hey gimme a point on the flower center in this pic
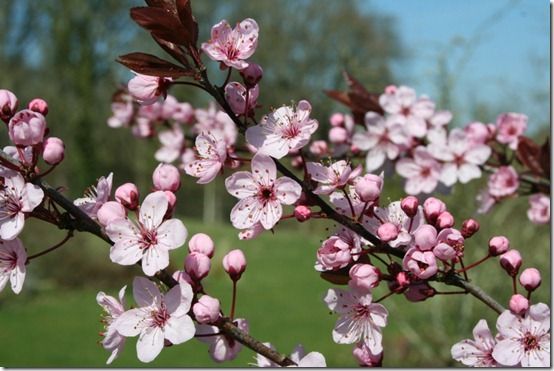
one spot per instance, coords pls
(8, 261)
(149, 238)
(290, 131)
(530, 342)
(361, 311)
(160, 316)
(266, 194)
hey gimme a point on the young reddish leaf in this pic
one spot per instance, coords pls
(339, 96)
(162, 23)
(151, 65)
(339, 277)
(184, 12)
(529, 153)
(545, 158)
(173, 50)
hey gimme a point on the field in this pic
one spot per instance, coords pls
(54, 322)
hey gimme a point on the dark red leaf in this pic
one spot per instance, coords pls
(163, 23)
(545, 158)
(173, 50)
(339, 277)
(529, 154)
(339, 96)
(184, 12)
(151, 65)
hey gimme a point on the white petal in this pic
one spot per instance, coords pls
(150, 343)
(172, 234)
(153, 209)
(179, 329)
(146, 292)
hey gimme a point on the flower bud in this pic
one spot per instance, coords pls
(419, 292)
(128, 195)
(519, 304)
(530, 278)
(236, 95)
(364, 276)
(319, 148)
(338, 135)
(432, 208)
(369, 187)
(197, 265)
(39, 105)
(53, 151)
(147, 89)
(302, 213)
(425, 237)
(470, 227)
(410, 205)
(511, 262)
(444, 220)
(166, 177)
(202, 243)
(498, 245)
(206, 310)
(337, 119)
(387, 232)
(365, 357)
(234, 264)
(26, 128)
(110, 212)
(171, 201)
(252, 74)
(8, 104)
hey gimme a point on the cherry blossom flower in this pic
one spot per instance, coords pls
(113, 341)
(261, 194)
(222, 348)
(360, 319)
(147, 89)
(213, 120)
(122, 113)
(158, 318)
(539, 211)
(16, 199)
(422, 172)
(383, 139)
(461, 159)
(394, 214)
(524, 340)
(284, 130)
(232, 46)
(503, 182)
(365, 358)
(332, 177)
(181, 112)
(477, 352)
(212, 153)
(510, 126)
(251, 232)
(172, 144)
(150, 238)
(407, 109)
(13, 258)
(95, 197)
(235, 94)
(338, 250)
(342, 206)
(422, 264)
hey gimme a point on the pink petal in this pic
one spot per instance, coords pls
(33, 197)
(478, 155)
(146, 292)
(125, 253)
(131, 322)
(241, 185)
(263, 169)
(246, 213)
(374, 159)
(172, 234)
(153, 209)
(313, 359)
(154, 260)
(11, 227)
(318, 172)
(287, 190)
(271, 214)
(508, 352)
(179, 329)
(150, 343)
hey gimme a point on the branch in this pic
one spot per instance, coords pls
(476, 291)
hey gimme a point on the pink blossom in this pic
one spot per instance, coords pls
(498, 245)
(53, 151)
(113, 341)
(8, 104)
(232, 46)
(197, 265)
(407, 109)
(147, 89)
(122, 113)
(524, 340)
(342, 205)
(236, 96)
(13, 258)
(252, 74)
(387, 232)
(206, 310)
(302, 213)
(182, 113)
(298, 356)
(478, 352)
(16, 199)
(421, 263)
(461, 159)
(261, 194)
(410, 205)
(422, 172)
(38, 105)
(159, 317)
(110, 212)
(477, 133)
(284, 130)
(393, 214)
(27, 128)
(150, 238)
(212, 153)
(450, 244)
(251, 232)
(360, 320)
(503, 182)
(333, 177)
(510, 127)
(222, 348)
(217, 123)
(365, 357)
(166, 177)
(234, 263)
(128, 195)
(511, 262)
(530, 278)
(319, 148)
(172, 145)
(364, 276)
(202, 243)
(539, 210)
(369, 187)
(95, 196)
(338, 250)
(143, 127)
(383, 139)
(470, 227)
(518, 304)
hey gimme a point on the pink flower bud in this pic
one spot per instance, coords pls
(236, 95)
(364, 276)
(498, 245)
(390, 89)
(166, 177)
(8, 104)
(39, 105)
(334, 253)
(302, 213)
(147, 89)
(206, 310)
(252, 74)
(419, 292)
(409, 205)
(444, 220)
(444, 252)
(53, 151)
(171, 201)
(387, 232)
(422, 264)
(202, 243)
(432, 208)
(337, 119)
(338, 135)
(425, 237)
(234, 264)
(511, 262)
(369, 187)
(128, 195)
(365, 357)
(470, 227)
(26, 128)
(519, 304)
(530, 278)
(110, 212)
(319, 148)
(197, 265)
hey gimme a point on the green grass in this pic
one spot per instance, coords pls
(54, 322)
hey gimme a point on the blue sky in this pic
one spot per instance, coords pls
(507, 67)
